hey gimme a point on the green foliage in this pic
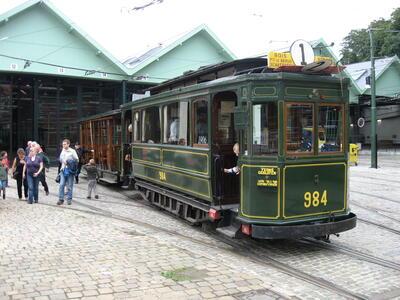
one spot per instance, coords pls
(356, 47)
(176, 275)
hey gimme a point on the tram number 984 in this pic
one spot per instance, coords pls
(162, 175)
(315, 199)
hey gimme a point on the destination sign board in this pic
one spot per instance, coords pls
(277, 59)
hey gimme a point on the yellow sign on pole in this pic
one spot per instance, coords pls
(278, 59)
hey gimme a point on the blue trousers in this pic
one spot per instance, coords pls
(66, 181)
(33, 188)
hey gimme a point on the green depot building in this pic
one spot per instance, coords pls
(52, 74)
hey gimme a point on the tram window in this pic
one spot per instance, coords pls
(151, 125)
(200, 123)
(128, 127)
(265, 129)
(116, 133)
(136, 126)
(176, 123)
(330, 128)
(299, 128)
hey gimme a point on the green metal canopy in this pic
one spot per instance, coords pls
(35, 37)
(199, 47)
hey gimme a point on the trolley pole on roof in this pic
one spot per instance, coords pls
(374, 138)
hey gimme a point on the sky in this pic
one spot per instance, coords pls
(247, 27)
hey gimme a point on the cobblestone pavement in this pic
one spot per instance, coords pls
(120, 248)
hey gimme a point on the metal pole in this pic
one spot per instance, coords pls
(374, 138)
(123, 91)
(36, 108)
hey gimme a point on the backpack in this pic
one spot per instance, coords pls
(71, 167)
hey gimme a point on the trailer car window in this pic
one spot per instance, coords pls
(265, 129)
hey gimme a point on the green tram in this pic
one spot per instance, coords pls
(288, 178)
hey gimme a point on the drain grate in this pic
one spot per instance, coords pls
(133, 233)
(263, 294)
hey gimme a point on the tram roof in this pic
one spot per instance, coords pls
(234, 79)
(101, 115)
(212, 72)
(222, 70)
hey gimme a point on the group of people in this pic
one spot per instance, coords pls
(29, 167)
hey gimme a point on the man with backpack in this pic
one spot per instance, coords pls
(69, 165)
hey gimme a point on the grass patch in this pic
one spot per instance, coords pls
(176, 275)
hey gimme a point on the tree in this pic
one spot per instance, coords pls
(391, 44)
(356, 45)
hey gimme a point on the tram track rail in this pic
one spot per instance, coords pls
(395, 231)
(353, 253)
(252, 251)
(238, 248)
(262, 258)
(378, 211)
(377, 179)
(374, 196)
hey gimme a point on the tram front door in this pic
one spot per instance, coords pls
(226, 185)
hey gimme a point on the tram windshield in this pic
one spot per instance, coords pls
(331, 123)
(300, 133)
(299, 128)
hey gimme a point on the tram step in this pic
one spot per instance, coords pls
(229, 231)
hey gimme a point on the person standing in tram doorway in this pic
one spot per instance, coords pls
(69, 165)
(235, 170)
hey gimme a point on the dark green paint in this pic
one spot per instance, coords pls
(326, 93)
(261, 204)
(300, 180)
(185, 160)
(189, 184)
(264, 91)
(258, 201)
(150, 155)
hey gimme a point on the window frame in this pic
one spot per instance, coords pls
(341, 105)
(251, 131)
(295, 153)
(142, 116)
(164, 115)
(193, 124)
(139, 140)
